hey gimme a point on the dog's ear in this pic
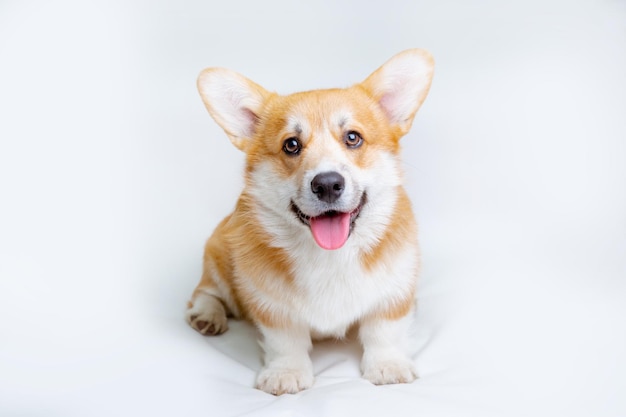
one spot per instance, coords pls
(401, 85)
(233, 101)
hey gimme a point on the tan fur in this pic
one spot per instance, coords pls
(399, 231)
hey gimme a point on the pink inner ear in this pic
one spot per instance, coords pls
(388, 103)
(249, 120)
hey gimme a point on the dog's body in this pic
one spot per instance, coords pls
(323, 237)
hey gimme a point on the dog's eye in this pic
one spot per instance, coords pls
(353, 139)
(292, 146)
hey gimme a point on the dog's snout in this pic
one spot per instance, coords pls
(328, 186)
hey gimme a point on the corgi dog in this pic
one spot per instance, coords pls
(323, 238)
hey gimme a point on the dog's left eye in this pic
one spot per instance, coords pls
(353, 139)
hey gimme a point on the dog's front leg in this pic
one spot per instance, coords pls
(288, 367)
(385, 350)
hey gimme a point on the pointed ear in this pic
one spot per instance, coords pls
(233, 101)
(401, 85)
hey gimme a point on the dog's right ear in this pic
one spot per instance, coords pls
(233, 101)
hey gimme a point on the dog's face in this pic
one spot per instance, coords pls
(324, 160)
(317, 158)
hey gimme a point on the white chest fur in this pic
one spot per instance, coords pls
(334, 290)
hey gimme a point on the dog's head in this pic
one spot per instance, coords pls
(325, 159)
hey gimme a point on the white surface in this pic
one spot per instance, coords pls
(112, 175)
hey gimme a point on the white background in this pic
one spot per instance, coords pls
(112, 175)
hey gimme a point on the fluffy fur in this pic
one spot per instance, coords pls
(262, 262)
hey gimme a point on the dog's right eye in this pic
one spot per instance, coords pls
(292, 146)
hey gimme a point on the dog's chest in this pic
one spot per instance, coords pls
(335, 290)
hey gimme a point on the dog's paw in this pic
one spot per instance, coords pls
(396, 371)
(207, 315)
(284, 381)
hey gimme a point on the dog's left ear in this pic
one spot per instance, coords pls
(401, 85)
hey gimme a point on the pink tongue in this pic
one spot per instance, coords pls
(331, 232)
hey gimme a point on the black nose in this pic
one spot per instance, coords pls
(328, 186)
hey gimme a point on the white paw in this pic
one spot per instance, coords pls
(395, 371)
(284, 381)
(207, 315)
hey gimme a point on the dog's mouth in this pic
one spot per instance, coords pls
(332, 228)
